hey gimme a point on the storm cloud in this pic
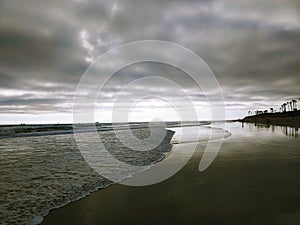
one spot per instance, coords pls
(252, 47)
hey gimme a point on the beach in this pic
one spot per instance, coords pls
(149, 112)
(253, 180)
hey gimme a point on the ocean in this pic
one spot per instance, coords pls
(45, 170)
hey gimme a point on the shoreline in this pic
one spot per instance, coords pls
(62, 161)
(231, 186)
(165, 152)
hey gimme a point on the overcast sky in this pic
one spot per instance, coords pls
(252, 47)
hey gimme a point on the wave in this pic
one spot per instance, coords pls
(194, 134)
(47, 172)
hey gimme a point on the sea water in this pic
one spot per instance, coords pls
(39, 173)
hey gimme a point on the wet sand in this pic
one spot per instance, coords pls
(254, 180)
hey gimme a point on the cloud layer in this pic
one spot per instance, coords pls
(251, 46)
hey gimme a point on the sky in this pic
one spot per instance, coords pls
(252, 48)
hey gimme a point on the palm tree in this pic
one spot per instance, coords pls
(294, 105)
(271, 110)
(284, 107)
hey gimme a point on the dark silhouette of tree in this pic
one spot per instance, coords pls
(294, 104)
(284, 107)
(288, 106)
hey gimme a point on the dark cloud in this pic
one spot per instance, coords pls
(251, 46)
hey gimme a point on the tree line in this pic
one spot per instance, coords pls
(290, 106)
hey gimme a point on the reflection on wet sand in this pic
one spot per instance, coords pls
(287, 131)
(290, 131)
